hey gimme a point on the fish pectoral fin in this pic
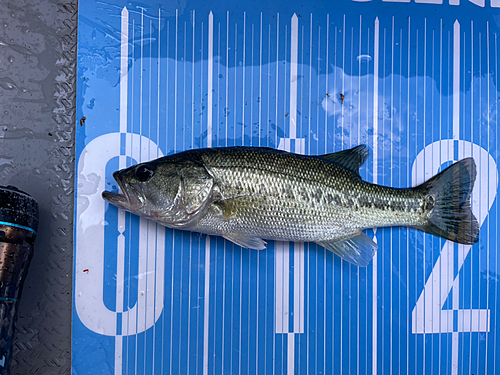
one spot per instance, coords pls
(351, 159)
(248, 242)
(230, 205)
(358, 250)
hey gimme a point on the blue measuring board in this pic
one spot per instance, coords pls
(416, 81)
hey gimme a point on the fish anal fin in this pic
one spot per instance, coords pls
(351, 159)
(246, 241)
(358, 250)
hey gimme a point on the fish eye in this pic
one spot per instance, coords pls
(144, 172)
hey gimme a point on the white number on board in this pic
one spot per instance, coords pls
(428, 315)
(90, 230)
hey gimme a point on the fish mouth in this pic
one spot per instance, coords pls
(128, 199)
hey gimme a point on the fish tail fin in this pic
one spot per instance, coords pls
(451, 217)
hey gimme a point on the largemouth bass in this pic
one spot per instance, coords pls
(247, 195)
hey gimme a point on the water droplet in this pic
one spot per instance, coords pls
(11, 59)
(7, 84)
(364, 58)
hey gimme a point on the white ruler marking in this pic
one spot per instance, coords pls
(209, 144)
(375, 179)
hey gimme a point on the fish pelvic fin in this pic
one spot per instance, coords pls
(351, 159)
(248, 242)
(358, 250)
(451, 217)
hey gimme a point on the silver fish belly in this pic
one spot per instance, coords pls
(247, 195)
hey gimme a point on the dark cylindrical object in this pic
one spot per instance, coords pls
(18, 226)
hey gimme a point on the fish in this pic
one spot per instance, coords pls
(251, 194)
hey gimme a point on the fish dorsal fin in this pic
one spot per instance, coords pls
(358, 250)
(350, 159)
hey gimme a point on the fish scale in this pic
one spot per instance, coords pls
(295, 203)
(251, 194)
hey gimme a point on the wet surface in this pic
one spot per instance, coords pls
(157, 80)
(37, 67)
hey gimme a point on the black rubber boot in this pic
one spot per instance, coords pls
(18, 226)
